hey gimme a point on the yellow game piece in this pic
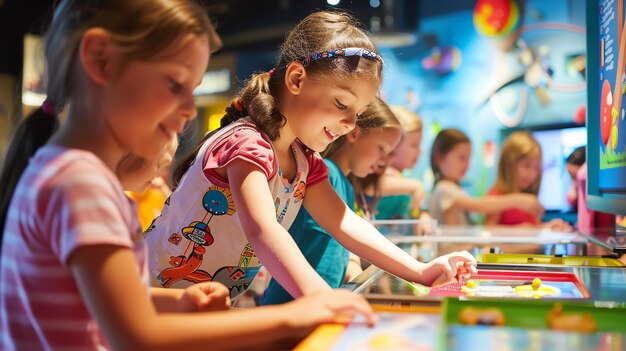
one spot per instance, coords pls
(537, 290)
(470, 283)
(536, 284)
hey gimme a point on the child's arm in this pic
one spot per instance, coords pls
(207, 296)
(495, 204)
(360, 237)
(450, 216)
(558, 225)
(353, 269)
(492, 219)
(110, 286)
(271, 242)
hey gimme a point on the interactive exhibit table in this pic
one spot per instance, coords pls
(503, 307)
(444, 239)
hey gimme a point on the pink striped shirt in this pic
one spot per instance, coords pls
(65, 199)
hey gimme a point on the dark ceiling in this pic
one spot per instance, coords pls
(244, 25)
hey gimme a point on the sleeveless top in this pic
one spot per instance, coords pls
(325, 254)
(198, 236)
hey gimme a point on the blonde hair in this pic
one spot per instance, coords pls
(130, 163)
(517, 146)
(409, 120)
(140, 28)
(376, 115)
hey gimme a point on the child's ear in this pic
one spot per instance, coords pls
(96, 55)
(294, 77)
(354, 134)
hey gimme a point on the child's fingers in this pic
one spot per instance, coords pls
(465, 256)
(471, 267)
(464, 273)
(464, 270)
(465, 264)
(424, 228)
(352, 305)
(448, 273)
(209, 296)
(192, 300)
(213, 288)
(444, 279)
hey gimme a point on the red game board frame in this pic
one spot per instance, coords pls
(546, 277)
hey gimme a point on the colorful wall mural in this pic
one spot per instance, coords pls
(539, 80)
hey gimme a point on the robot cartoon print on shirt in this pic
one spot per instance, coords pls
(217, 201)
(238, 278)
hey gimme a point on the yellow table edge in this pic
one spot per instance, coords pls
(323, 337)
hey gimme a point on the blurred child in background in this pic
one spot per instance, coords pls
(360, 152)
(519, 172)
(573, 163)
(449, 204)
(401, 197)
(145, 182)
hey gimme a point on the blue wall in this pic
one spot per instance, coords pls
(456, 99)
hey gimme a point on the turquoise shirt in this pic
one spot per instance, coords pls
(394, 207)
(323, 252)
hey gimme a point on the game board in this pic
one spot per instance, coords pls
(411, 328)
(517, 324)
(521, 325)
(511, 284)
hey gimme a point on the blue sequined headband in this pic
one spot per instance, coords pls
(347, 52)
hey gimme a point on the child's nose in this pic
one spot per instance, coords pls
(188, 108)
(349, 123)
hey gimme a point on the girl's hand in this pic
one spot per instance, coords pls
(529, 203)
(328, 306)
(425, 225)
(450, 268)
(207, 296)
(559, 225)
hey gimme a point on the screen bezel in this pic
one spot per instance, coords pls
(598, 200)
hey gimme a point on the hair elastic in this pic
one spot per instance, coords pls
(48, 108)
(238, 104)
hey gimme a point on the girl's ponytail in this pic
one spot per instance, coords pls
(257, 99)
(33, 132)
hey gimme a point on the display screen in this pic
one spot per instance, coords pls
(610, 143)
(556, 146)
(606, 85)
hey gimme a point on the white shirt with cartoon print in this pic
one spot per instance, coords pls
(198, 236)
